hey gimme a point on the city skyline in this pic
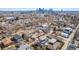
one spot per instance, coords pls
(29, 9)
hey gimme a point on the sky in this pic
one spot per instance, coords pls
(16, 9)
(39, 4)
(17, 5)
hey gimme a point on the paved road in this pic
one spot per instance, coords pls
(68, 40)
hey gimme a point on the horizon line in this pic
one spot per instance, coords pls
(31, 9)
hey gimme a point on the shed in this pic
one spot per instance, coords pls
(16, 38)
(71, 47)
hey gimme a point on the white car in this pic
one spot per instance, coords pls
(64, 35)
(66, 32)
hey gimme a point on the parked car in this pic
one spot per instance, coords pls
(66, 32)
